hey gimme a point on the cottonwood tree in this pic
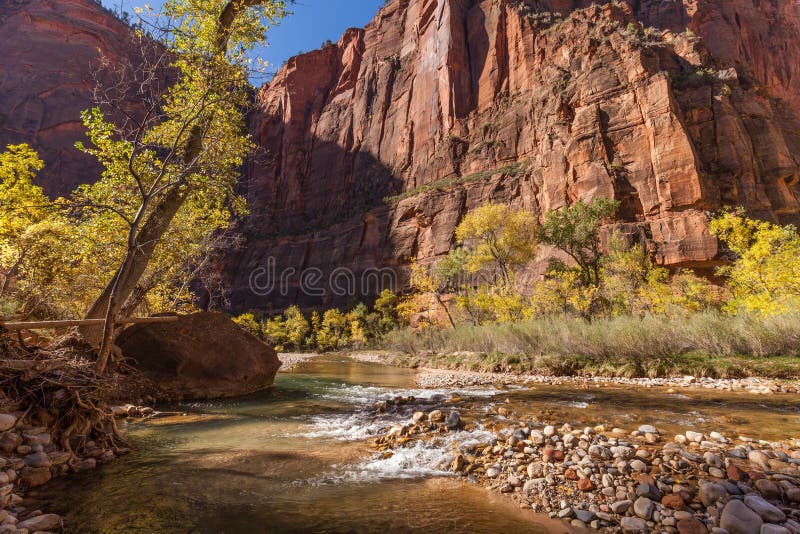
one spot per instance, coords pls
(575, 230)
(498, 236)
(35, 265)
(764, 276)
(177, 159)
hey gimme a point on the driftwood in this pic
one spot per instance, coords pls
(58, 388)
(33, 325)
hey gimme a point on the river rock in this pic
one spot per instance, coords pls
(436, 416)
(768, 489)
(645, 489)
(638, 465)
(537, 437)
(35, 476)
(648, 429)
(200, 356)
(9, 441)
(737, 518)
(643, 507)
(37, 459)
(767, 511)
(759, 458)
(549, 431)
(535, 470)
(673, 501)
(691, 526)
(711, 492)
(620, 507)
(7, 422)
(696, 437)
(417, 417)
(633, 525)
(585, 515)
(40, 523)
(769, 528)
(453, 420)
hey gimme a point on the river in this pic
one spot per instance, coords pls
(297, 459)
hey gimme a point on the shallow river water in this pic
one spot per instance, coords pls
(297, 459)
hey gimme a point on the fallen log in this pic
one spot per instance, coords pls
(33, 325)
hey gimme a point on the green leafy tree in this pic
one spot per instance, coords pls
(764, 277)
(333, 332)
(575, 230)
(386, 307)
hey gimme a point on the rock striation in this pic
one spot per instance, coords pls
(375, 147)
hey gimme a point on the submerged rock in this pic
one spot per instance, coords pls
(201, 356)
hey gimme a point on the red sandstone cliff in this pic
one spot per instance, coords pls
(673, 108)
(48, 52)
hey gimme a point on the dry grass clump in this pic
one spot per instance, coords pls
(706, 344)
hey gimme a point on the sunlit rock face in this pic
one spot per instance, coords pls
(372, 149)
(49, 52)
(675, 109)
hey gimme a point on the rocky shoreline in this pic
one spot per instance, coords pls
(618, 480)
(291, 360)
(432, 377)
(31, 458)
(437, 378)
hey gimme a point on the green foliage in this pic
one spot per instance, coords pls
(333, 330)
(512, 169)
(575, 230)
(632, 285)
(143, 231)
(764, 278)
(386, 307)
(287, 332)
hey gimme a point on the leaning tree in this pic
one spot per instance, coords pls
(179, 149)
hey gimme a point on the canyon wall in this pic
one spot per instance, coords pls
(49, 54)
(374, 148)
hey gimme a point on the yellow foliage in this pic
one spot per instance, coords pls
(764, 278)
(498, 236)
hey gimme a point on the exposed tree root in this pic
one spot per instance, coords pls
(58, 388)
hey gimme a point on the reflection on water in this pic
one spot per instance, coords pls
(296, 459)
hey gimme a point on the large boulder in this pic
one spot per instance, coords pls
(201, 356)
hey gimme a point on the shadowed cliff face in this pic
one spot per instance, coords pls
(48, 52)
(447, 104)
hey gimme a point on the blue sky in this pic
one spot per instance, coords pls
(313, 22)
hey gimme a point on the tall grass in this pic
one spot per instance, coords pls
(705, 343)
